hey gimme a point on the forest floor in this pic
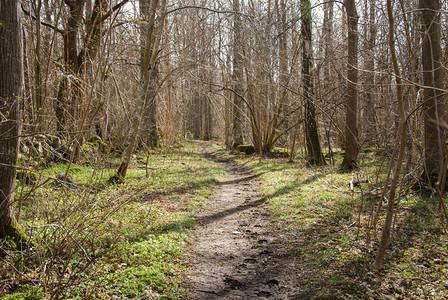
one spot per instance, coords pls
(237, 252)
(202, 222)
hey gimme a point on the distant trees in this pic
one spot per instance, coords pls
(231, 70)
(270, 72)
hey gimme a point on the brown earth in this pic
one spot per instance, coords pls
(237, 252)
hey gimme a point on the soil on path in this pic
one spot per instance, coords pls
(237, 253)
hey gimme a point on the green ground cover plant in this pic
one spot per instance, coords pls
(326, 223)
(97, 240)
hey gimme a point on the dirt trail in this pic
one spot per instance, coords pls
(237, 253)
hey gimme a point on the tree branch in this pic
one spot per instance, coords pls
(111, 11)
(207, 9)
(27, 13)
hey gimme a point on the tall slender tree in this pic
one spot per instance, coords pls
(151, 38)
(315, 156)
(237, 75)
(369, 119)
(351, 127)
(148, 76)
(399, 150)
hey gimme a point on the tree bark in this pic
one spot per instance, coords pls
(11, 90)
(434, 100)
(237, 76)
(38, 94)
(149, 69)
(207, 119)
(351, 127)
(327, 74)
(369, 120)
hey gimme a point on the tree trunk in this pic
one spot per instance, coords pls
(207, 119)
(351, 128)
(400, 145)
(433, 96)
(149, 69)
(152, 36)
(195, 114)
(369, 120)
(151, 134)
(38, 83)
(328, 119)
(237, 76)
(315, 156)
(228, 117)
(11, 90)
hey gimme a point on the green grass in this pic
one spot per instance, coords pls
(99, 240)
(319, 213)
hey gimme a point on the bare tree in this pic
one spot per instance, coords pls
(369, 118)
(149, 72)
(399, 149)
(315, 156)
(148, 85)
(351, 127)
(237, 76)
(434, 104)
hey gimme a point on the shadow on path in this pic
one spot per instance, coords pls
(238, 253)
(205, 220)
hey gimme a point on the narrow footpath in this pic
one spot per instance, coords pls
(237, 253)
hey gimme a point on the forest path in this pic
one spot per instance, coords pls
(237, 253)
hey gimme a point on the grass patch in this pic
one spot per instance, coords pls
(100, 241)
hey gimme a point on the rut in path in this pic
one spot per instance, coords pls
(237, 253)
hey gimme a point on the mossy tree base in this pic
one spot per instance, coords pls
(348, 165)
(15, 237)
(246, 149)
(120, 175)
